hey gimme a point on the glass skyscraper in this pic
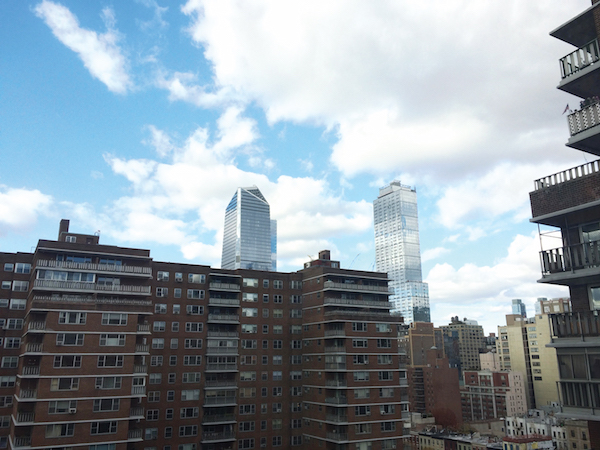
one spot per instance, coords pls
(249, 235)
(397, 250)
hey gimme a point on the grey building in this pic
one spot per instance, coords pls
(397, 250)
(249, 235)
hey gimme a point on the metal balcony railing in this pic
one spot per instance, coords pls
(337, 436)
(134, 434)
(134, 270)
(573, 257)
(138, 390)
(337, 400)
(221, 350)
(232, 334)
(140, 368)
(25, 417)
(584, 119)
(219, 400)
(575, 324)
(34, 347)
(220, 383)
(356, 287)
(579, 59)
(336, 418)
(143, 327)
(359, 303)
(223, 302)
(31, 370)
(215, 436)
(136, 412)
(224, 286)
(221, 366)
(82, 286)
(216, 418)
(28, 393)
(36, 325)
(142, 348)
(22, 441)
(335, 366)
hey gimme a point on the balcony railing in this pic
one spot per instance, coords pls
(140, 368)
(223, 302)
(575, 324)
(579, 59)
(219, 400)
(143, 327)
(36, 326)
(220, 383)
(134, 434)
(573, 257)
(335, 366)
(28, 393)
(358, 303)
(567, 175)
(229, 334)
(25, 417)
(217, 418)
(336, 418)
(329, 333)
(22, 441)
(221, 366)
(336, 383)
(134, 270)
(214, 436)
(138, 390)
(222, 350)
(337, 400)
(136, 412)
(223, 318)
(81, 286)
(34, 347)
(584, 119)
(142, 348)
(37, 299)
(31, 370)
(356, 287)
(335, 349)
(224, 286)
(337, 436)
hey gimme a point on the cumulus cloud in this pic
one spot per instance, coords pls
(20, 208)
(476, 291)
(433, 253)
(100, 53)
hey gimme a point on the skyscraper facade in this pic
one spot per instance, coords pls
(397, 250)
(249, 235)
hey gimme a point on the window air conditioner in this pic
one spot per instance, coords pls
(72, 410)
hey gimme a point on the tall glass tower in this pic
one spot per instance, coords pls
(249, 236)
(397, 250)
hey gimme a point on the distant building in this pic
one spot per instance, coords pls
(471, 342)
(518, 307)
(249, 234)
(397, 250)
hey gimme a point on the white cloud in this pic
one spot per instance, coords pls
(157, 20)
(100, 53)
(433, 253)
(20, 208)
(476, 291)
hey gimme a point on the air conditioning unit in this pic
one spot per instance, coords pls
(72, 410)
(180, 279)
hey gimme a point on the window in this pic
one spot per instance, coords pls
(387, 409)
(361, 376)
(156, 360)
(174, 327)
(276, 407)
(296, 440)
(362, 410)
(277, 284)
(18, 303)
(110, 361)
(296, 375)
(359, 326)
(159, 325)
(152, 414)
(173, 360)
(188, 430)
(189, 413)
(9, 267)
(177, 293)
(296, 329)
(106, 404)
(20, 286)
(362, 428)
(383, 327)
(250, 282)
(111, 340)
(360, 359)
(196, 278)
(176, 309)
(162, 276)
(249, 297)
(150, 434)
(174, 343)
(194, 327)
(190, 394)
(192, 360)
(277, 439)
(247, 409)
(162, 292)
(277, 360)
(278, 299)
(71, 239)
(155, 378)
(61, 406)
(246, 426)
(108, 382)
(73, 318)
(178, 277)
(154, 396)
(295, 313)
(60, 430)
(265, 298)
(245, 444)
(296, 359)
(388, 426)
(277, 329)
(250, 312)
(386, 375)
(67, 361)
(248, 376)
(113, 319)
(248, 343)
(247, 328)
(295, 299)
(160, 308)
(359, 343)
(277, 391)
(169, 413)
(194, 310)
(362, 393)
(7, 400)
(10, 362)
(8, 381)
(195, 294)
(386, 392)
(384, 343)
(11, 343)
(384, 359)
(4, 303)
(172, 378)
(13, 324)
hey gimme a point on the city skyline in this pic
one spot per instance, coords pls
(138, 120)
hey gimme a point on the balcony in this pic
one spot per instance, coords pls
(574, 261)
(31, 371)
(366, 315)
(220, 383)
(230, 287)
(335, 366)
(337, 418)
(47, 301)
(28, 394)
(579, 72)
(218, 418)
(21, 441)
(575, 324)
(36, 326)
(338, 400)
(580, 399)
(145, 272)
(222, 351)
(25, 418)
(223, 318)
(216, 437)
(223, 302)
(214, 401)
(222, 366)
(338, 437)
(134, 435)
(54, 285)
(220, 334)
(565, 192)
(140, 368)
(142, 348)
(136, 413)
(351, 287)
(335, 349)
(138, 390)
(358, 303)
(143, 328)
(336, 383)
(334, 333)
(33, 347)
(584, 129)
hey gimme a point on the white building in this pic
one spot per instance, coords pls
(397, 250)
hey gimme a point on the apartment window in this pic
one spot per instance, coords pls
(6, 401)
(156, 360)
(190, 394)
(384, 343)
(154, 396)
(152, 414)
(173, 360)
(359, 326)
(110, 361)
(296, 375)
(362, 393)
(160, 308)
(61, 406)
(60, 430)
(7, 381)
(9, 267)
(194, 327)
(362, 410)
(277, 375)
(265, 313)
(189, 413)
(174, 343)
(73, 318)
(388, 426)
(114, 319)
(6, 284)
(247, 328)
(359, 343)
(248, 376)
(18, 303)
(277, 284)
(386, 375)
(383, 327)
(192, 360)
(159, 325)
(246, 426)
(10, 362)
(277, 441)
(150, 434)
(277, 391)
(108, 382)
(249, 297)
(162, 276)
(178, 277)
(276, 407)
(361, 376)
(176, 309)
(162, 292)
(106, 404)
(295, 299)
(248, 343)
(247, 409)
(177, 293)
(296, 440)
(250, 312)
(195, 294)
(278, 299)
(11, 343)
(195, 310)
(175, 327)
(362, 428)
(360, 359)
(13, 324)
(67, 361)
(245, 444)
(386, 392)
(384, 359)
(277, 329)
(169, 413)
(20, 286)
(387, 409)
(247, 392)
(110, 340)
(295, 313)
(155, 378)
(4, 303)
(196, 278)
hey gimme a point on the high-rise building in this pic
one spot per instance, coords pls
(104, 348)
(468, 336)
(518, 307)
(569, 203)
(249, 234)
(397, 250)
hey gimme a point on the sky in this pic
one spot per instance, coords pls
(139, 119)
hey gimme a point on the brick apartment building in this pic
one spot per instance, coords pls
(105, 349)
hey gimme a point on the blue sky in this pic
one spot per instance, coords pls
(140, 118)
